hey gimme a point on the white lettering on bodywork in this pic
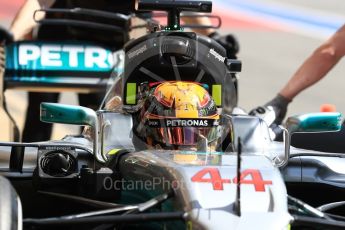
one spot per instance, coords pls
(28, 53)
(137, 52)
(54, 56)
(95, 56)
(73, 54)
(51, 55)
(217, 55)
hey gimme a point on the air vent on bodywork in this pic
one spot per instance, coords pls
(58, 164)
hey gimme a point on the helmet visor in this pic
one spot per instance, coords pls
(186, 136)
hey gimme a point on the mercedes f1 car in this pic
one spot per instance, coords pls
(169, 149)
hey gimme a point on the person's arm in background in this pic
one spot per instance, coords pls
(24, 23)
(315, 67)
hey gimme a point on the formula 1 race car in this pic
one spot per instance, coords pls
(169, 149)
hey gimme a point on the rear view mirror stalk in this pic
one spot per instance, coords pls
(287, 141)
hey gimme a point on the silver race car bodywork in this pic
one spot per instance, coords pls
(206, 185)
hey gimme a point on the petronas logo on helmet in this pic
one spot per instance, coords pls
(187, 123)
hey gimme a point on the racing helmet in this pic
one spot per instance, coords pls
(178, 115)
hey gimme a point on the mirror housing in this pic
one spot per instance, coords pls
(67, 114)
(314, 122)
(74, 115)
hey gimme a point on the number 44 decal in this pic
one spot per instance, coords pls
(217, 181)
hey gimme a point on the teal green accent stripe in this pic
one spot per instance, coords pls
(131, 93)
(217, 94)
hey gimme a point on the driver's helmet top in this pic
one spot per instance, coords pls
(178, 115)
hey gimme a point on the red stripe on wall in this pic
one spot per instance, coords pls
(235, 20)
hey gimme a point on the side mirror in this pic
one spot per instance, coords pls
(311, 122)
(74, 115)
(67, 114)
(314, 122)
